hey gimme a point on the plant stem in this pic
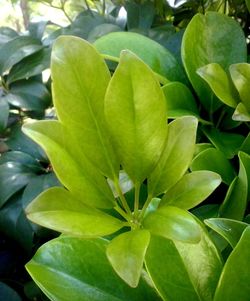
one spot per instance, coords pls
(149, 198)
(137, 197)
(122, 213)
(122, 198)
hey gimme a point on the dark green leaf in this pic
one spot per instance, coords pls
(4, 113)
(101, 30)
(15, 50)
(126, 254)
(235, 277)
(82, 272)
(138, 135)
(168, 272)
(230, 229)
(37, 29)
(7, 34)
(214, 160)
(7, 293)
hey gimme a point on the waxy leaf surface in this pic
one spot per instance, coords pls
(82, 272)
(59, 210)
(138, 135)
(176, 156)
(126, 254)
(79, 99)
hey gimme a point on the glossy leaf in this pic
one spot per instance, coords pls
(230, 229)
(30, 66)
(173, 223)
(235, 202)
(78, 175)
(235, 277)
(212, 46)
(84, 84)
(22, 158)
(59, 210)
(82, 272)
(157, 57)
(4, 113)
(126, 254)
(203, 264)
(137, 134)
(240, 74)
(176, 156)
(179, 99)
(228, 143)
(192, 189)
(15, 50)
(168, 272)
(220, 83)
(13, 177)
(241, 113)
(214, 160)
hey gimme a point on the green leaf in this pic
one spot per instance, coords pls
(126, 254)
(235, 277)
(220, 83)
(8, 293)
(59, 210)
(248, 4)
(13, 177)
(140, 15)
(37, 29)
(4, 113)
(30, 66)
(228, 143)
(230, 229)
(84, 84)
(173, 223)
(241, 113)
(176, 156)
(7, 34)
(203, 264)
(179, 98)
(240, 74)
(29, 95)
(235, 202)
(137, 134)
(15, 50)
(101, 30)
(214, 160)
(192, 189)
(213, 46)
(69, 163)
(168, 272)
(157, 57)
(82, 272)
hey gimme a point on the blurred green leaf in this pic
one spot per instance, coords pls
(7, 293)
(7, 34)
(4, 113)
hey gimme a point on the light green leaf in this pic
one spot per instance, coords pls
(192, 189)
(82, 273)
(228, 143)
(69, 163)
(137, 134)
(240, 74)
(235, 277)
(214, 160)
(203, 264)
(79, 99)
(212, 45)
(173, 223)
(157, 57)
(16, 49)
(230, 229)
(235, 202)
(59, 210)
(241, 113)
(126, 254)
(176, 156)
(220, 83)
(168, 272)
